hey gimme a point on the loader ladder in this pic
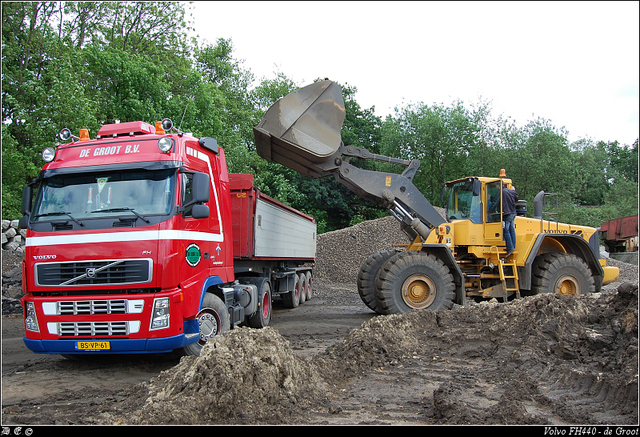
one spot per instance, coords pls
(506, 276)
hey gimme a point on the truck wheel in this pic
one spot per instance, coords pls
(367, 276)
(414, 280)
(308, 289)
(561, 273)
(292, 298)
(302, 283)
(213, 319)
(262, 316)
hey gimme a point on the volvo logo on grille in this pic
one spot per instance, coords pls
(91, 273)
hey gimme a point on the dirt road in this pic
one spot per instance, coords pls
(540, 360)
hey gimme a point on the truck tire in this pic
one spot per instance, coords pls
(291, 299)
(308, 290)
(262, 316)
(213, 319)
(561, 273)
(414, 280)
(302, 283)
(367, 276)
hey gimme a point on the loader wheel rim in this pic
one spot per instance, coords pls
(568, 285)
(418, 291)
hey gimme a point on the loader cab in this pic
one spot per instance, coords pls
(474, 205)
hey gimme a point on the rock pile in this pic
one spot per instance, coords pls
(340, 254)
(12, 237)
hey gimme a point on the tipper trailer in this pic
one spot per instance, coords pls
(140, 241)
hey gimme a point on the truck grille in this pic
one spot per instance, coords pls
(92, 329)
(93, 307)
(103, 272)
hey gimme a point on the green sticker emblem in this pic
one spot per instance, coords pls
(192, 254)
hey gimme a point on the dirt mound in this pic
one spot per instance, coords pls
(547, 359)
(244, 376)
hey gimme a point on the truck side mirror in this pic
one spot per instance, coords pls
(200, 188)
(199, 194)
(25, 209)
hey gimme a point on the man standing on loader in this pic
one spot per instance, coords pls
(509, 199)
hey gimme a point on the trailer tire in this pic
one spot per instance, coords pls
(262, 316)
(561, 273)
(367, 277)
(414, 280)
(291, 299)
(213, 319)
(309, 282)
(302, 283)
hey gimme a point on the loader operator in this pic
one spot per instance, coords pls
(509, 199)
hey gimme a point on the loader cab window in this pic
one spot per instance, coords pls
(494, 210)
(464, 201)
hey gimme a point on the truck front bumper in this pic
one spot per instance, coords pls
(118, 346)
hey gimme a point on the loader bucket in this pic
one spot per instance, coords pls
(302, 130)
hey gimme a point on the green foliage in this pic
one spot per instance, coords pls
(84, 64)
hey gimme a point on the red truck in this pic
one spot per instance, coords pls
(140, 241)
(621, 234)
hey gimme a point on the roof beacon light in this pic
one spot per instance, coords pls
(503, 173)
(84, 135)
(159, 130)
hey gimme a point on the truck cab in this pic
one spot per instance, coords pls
(122, 232)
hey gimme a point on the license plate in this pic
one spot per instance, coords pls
(93, 345)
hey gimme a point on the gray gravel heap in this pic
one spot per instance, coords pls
(340, 253)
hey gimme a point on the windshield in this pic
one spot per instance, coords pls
(461, 203)
(94, 195)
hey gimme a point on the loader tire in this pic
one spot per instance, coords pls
(367, 276)
(561, 273)
(414, 280)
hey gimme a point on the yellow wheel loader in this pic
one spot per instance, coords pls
(447, 260)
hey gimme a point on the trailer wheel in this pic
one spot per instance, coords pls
(412, 281)
(561, 273)
(213, 319)
(262, 316)
(367, 276)
(302, 283)
(291, 299)
(308, 290)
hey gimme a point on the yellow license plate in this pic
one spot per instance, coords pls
(93, 345)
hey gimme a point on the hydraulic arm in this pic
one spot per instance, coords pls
(302, 131)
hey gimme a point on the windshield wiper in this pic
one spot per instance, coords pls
(123, 208)
(60, 213)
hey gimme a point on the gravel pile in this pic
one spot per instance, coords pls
(339, 254)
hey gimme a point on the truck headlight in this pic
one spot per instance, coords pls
(165, 144)
(160, 313)
(30, 320)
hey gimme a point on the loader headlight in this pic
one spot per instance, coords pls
(30, 319)
(160, 313)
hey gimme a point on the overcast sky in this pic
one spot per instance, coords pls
(573, 63)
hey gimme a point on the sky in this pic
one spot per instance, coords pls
(574, 63)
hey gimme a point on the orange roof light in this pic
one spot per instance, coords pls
(503, 173)
(159, 130)
(84, 135)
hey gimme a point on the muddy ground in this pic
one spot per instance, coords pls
(542, 360)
